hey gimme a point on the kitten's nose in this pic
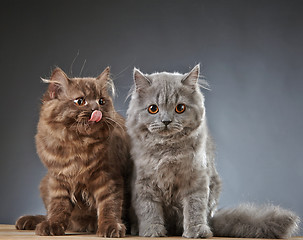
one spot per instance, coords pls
(166, 122)
(94, 106)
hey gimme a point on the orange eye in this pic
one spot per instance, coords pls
(80, 101)
(153, 109)
(180, 108)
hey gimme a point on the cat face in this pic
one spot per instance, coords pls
(167, 104)
(79, 104)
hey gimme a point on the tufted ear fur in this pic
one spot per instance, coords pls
(141, 81)
(191, 78)
(104, 76)
(58, 83)
(105, 80)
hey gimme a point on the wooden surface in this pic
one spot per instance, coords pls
(9, 232)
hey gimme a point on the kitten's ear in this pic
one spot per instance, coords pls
(104, 80)
(141, 82)
(104, 76)
(57, 83)
(191, 78)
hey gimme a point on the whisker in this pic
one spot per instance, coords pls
(82, 67)
(114, 122)
(71, 66)
(118, 74)
(109, 123)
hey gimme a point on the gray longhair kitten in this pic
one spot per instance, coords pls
(176, 186)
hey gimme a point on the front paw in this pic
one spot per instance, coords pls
(198, 231)
(47, 228)
(111, 230)
(153, 230)
(29, 222)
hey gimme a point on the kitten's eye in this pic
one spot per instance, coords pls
(180, 108)
(153, 109)
(101, 101)
(80, 101)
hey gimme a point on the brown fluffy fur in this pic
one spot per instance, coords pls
(87, 162)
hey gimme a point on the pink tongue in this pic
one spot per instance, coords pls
(96, 116)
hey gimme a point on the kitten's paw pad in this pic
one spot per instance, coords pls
(153, 230)
(47, 228)
(111, 230)
(29, 222)
(198, 231)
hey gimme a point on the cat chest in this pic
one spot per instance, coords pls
(73, 172)
(77, 166)
(168, 188)
(172, 181)
(69, 159)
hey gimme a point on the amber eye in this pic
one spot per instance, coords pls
(153, 109)
(180, 108)
(101, 101)
(80, 101)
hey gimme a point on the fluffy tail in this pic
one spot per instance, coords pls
(250, 221)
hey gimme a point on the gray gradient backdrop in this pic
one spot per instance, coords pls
(251, 53)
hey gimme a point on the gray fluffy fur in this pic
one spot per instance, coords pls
(252, 221)
(175, 186)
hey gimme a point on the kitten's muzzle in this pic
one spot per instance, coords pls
(166, 122)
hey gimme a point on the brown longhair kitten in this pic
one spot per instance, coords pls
(82, 141)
